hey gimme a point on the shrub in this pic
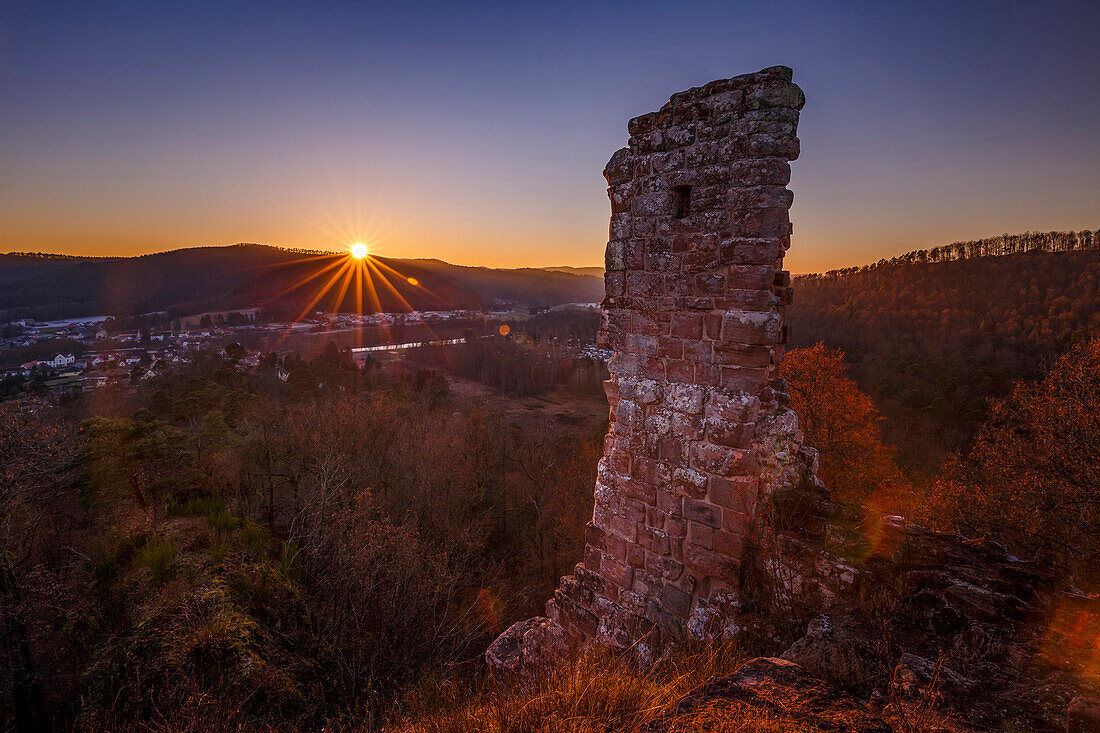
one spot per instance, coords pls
(255, 539)
(113, 555)
(156, 556)
(1032, 478)
(210, 508)
(839, 421)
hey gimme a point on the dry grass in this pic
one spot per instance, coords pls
(596, 693)
(730, 717)
(599, 693)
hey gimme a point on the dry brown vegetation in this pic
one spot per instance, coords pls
(1032, 477)
(228, 551)
(229, 547)
(598, 692)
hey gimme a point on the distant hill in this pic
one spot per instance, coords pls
(201, 278)
(16, 266)
(593, 271)
(933, 340)
(1004, 244)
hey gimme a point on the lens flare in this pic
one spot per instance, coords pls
(358, 276)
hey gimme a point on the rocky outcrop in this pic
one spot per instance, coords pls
(934, 632)
(526, 649)
(941, 628)
(777, 686)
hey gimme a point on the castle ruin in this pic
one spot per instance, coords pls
(701, 442)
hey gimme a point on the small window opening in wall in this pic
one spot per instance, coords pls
(683, 201)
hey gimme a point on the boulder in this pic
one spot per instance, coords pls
(777, 686)
(1083, 715)
(842, 649)
(918, 678)
(524, 650)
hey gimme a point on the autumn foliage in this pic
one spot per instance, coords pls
(1032, 478)
(839, 421)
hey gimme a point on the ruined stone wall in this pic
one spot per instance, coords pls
(699, 436)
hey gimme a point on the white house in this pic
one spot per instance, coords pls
(61, 360)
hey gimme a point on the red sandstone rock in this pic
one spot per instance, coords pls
(1083, 715)
(695, 291)
(525, 649)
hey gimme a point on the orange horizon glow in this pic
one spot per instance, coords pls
(133, 140)
(811, 252)
(390, 224)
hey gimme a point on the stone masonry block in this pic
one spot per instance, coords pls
(761, 197)
(750, 277)
(737, 493)
(761, 172)
(743, 379)
(749, 327)
(687, 326)
(680, 370)
(727, 432)
(786, 95)
(702, 512)
(743, 355)
(711, 564)
(718, 459)
(760, 223)
(701, 535)
(685, 398)
(619, 169)
(749, 252)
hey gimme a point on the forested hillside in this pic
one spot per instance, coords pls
(1005, 244)
(932, 341)
(16, 266)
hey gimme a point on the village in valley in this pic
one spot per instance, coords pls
(77, 355)
(88, 353)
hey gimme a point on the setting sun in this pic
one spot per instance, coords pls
(359, 250)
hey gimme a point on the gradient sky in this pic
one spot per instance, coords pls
(477, 134)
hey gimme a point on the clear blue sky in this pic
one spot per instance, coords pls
(478, 133)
